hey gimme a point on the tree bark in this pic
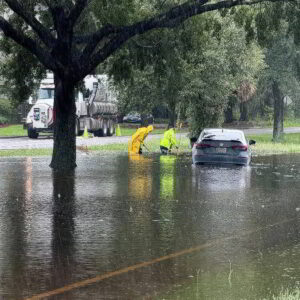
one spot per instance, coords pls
(144, 120)
(278, 112)
(64, 147)
(172, 113)
(244, 111)
(228, 113)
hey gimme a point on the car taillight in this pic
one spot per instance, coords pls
(240, 147)
(202, 146)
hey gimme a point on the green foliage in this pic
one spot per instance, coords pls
(191, 69)
(20, 71)
(25, 152)
(13, 130)
(282, 66)
(216, 69)
(7, 112)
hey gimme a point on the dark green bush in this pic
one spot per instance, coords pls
(8, 114)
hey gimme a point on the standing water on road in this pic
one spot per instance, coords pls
(151, 226)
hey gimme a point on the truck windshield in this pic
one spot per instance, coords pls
(46, 94)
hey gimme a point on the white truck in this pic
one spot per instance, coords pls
(97, 113)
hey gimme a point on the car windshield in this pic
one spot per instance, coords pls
(224, 136)
(46, 93)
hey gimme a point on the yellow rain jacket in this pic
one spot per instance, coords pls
(169, 139)
(137, 140)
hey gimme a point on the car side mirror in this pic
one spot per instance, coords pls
(252, 142)
(193, 140)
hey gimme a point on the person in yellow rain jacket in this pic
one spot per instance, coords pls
(137, 140)
(168, 141)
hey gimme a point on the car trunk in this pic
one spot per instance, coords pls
(221, 147)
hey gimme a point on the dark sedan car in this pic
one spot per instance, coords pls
(225, 146)
(136, 118)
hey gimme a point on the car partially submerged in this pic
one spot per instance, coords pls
(224, 146)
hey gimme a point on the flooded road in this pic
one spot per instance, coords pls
(149, 227)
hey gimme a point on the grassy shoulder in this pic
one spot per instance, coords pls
(264, 146)
(13, 130)
(291, 122)
(130, 130)
(17, 130)
(26, 152)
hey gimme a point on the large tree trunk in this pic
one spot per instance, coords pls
(64, 148)
(244, 111)
(172, 114)
(278, 112)
(228, 113)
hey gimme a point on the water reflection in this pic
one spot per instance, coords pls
(167, 165)
(28, 178)
(63, 228)
(140, 179)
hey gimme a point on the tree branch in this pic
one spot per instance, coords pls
(103, 53)
(77, 10)
(180, 13)
(27, 43)
(171, 18)
(97, 37)
(41, 31)
(109, 29)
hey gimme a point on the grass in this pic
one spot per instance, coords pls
(129, 131)
(13, 130)
(26, 152)
(17, 130)
(287, 123)
(288, 295)
(152, 145)
(264, 146)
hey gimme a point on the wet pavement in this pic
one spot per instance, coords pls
(46, 142)
(149, 227)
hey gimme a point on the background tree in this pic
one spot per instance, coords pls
(175, 67)
(219, 67)
(280, 78)
(278, 33)
(155, 79)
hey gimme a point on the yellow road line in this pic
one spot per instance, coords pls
(148, 263)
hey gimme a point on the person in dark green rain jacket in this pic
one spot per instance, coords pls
(168, 141)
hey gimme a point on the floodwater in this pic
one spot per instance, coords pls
(202, 232)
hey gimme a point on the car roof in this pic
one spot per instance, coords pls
(223, 133)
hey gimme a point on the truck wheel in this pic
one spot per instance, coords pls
(32, 134)
(78, 132)
(111, 129)
(98, 132)
(104, 130)
(76, 128)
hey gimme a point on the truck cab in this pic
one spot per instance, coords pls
(40, 117)
(97, 113)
